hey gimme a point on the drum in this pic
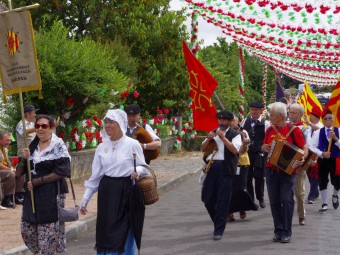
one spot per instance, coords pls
(284, 155)
(309, 160)
(148, 187)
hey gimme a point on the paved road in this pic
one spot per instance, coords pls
(179, 224)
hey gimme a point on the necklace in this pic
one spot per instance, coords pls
(46, 140)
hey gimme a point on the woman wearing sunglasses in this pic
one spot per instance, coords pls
(50, 164)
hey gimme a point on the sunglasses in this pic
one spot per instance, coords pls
(43, 126)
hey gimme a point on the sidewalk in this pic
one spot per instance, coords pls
(170, 170)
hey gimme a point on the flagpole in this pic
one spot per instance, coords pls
(24, 128)
(218, 99)
(334, 116)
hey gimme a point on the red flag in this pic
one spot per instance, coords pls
(334, 104)
(202, 86)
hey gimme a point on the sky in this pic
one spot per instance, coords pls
(206, 31)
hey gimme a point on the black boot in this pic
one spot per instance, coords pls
(8, 202)
(19, 198)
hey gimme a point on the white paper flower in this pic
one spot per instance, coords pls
(83, 123)
(77, 137)
(85, 100)
(111, 105)
(67, 115)
(61, 123)
(83, 143)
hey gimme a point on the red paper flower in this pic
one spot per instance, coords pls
(166, 111)
(15, 161)
(70, 102)
(79, 145)
(159, 111)
(179, 138)
(88, 123)
(97, 120)
(98, 136)
(61, 135)
(135, 94)
(89, 136)
(124, 94)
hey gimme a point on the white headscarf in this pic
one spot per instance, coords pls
(119, 116)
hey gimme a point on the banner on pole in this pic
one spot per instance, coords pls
(19, 70)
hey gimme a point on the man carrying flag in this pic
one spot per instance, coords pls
(202, 86)
(308, 100)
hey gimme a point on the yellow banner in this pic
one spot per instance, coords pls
(19, 70)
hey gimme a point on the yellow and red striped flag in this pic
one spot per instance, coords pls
(334, 104)
(308, 100)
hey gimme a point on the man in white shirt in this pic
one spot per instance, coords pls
(29, 111)
(218, 184)
(133, 114)
(329, 159)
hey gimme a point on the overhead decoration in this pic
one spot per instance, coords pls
(299, 38)
(194, 32)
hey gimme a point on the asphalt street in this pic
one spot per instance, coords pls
(179, 224)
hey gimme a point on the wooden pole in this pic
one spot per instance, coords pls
(24, 128)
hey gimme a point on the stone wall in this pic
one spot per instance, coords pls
(81, 162)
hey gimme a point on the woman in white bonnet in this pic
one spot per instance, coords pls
(113, 177)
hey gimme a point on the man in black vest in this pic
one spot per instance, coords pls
(218, 185)
(255, 125)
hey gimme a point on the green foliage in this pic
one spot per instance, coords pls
(148, 29)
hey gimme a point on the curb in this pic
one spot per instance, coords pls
(79, 227)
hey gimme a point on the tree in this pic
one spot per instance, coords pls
(148, 28)
(79, 79)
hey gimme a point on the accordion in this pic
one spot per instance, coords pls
(311, 157)
(284, 155)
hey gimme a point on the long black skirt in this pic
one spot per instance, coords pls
(240, 199)
(113, 221)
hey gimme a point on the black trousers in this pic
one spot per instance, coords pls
(327, 168)
(216, 195)
(256, 173)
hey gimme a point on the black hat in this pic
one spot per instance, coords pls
(132, 109)
(256, 105)
(225, 115)
(29, 108)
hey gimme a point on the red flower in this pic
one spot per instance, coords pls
(144, 121)
(74, 131)
(89, 136)
(97, 120)
(179, 138)
(166, 111)
(88, 123)
(129, 85)
(69, 102)
(61, 135)
(135, 94)
(124, 94)
(15, 161)
(79, 145)
(159, 111)
(98, 136)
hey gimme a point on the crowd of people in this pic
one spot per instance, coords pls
(256, 138)
(241, 155)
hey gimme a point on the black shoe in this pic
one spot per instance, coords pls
(262, 204)
(336, 204)
(285, 239)
(217, 237)
(7, 203)
(19, 200)
(277, 238)
(323, 208)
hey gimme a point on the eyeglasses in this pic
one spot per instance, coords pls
(43, 126)
(330, 118)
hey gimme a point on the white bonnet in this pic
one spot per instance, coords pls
(119, 116)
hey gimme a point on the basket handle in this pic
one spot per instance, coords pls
(152, 173)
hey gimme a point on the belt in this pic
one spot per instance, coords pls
(218, 161)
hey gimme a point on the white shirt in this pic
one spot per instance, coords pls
(114, 159)
(315, 142)
(20, 135)
(236, 141)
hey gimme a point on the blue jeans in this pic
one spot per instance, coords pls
(280, 188)
(314, 188)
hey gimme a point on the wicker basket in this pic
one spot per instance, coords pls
(148, 187)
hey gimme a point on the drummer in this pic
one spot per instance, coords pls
(133, 113)
(280, 185)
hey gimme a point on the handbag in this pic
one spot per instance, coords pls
(67, 214)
